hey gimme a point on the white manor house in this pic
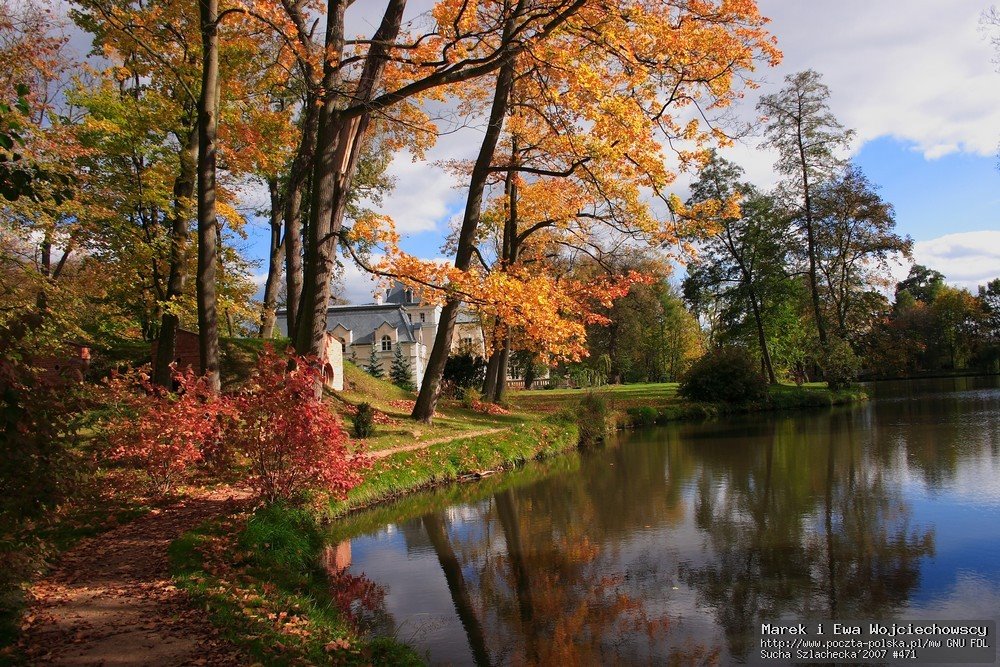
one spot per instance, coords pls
(398, 318)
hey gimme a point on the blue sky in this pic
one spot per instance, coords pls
(959, 192)
(919, 86)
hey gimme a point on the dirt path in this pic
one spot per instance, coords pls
(111, 600)
(382, 453)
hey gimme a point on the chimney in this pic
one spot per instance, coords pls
(378, 298)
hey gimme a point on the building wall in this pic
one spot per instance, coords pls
(186, 352)
(333, 364)
(468, 334)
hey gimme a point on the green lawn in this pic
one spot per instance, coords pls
(623, 395)
(453, 419)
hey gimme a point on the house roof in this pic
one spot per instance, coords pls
(362, 321)
(398, 294)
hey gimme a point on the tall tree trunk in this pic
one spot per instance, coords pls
(501, 385)
(276, 258)
(765, 354)
(338, 149)
(811, 239)
(509, 250)
(184, 186)
(208, 117)
(492, 366)
(430, 388)
(45, 260)
(298, 177)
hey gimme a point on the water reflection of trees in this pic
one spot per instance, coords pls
(801, 517)
(547, 587)
(805, 526)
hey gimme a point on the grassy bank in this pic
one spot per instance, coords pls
(641, 405)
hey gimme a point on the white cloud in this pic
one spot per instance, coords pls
(422, 195)
(966, 259)
(921, 73)
(358, 285)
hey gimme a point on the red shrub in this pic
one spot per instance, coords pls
(163, 432)
(293, 442)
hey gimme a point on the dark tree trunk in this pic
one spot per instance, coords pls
(501, 385)
(184, 186)
(337, 151)
(430, 388)
(508, 256)
(490, 384)
(208, 116)
(765, 354)
(276, 258)
(298, 177)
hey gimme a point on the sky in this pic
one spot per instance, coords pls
(918, 85)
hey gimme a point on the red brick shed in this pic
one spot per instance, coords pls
(186, 353)
(70, 364)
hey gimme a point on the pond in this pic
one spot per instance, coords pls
(671, 545)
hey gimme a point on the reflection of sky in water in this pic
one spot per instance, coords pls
(931, 463)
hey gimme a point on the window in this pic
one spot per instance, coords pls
(386, 344)
(409, 296)
(467, 341)
(423, 317)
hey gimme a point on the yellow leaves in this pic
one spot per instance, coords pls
(372, 229)
(228, 212)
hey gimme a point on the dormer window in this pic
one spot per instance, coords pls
(409, 296)
(386, 344)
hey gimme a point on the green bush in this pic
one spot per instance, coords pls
(643, 415)
(464, 370)
(840, 364)
(364, 421)
(593, 417)
(724, 375)
(470, 396)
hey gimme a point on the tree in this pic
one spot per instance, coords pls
(809, 141)
(390, 74)
(208, 123)
(374, 365)
(589, 100)
(956, 313)
(855, 241)
(921, 283)
(749, 247)
(989, 297)
(399, 372)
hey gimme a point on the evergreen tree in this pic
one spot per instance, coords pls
(399, 373)
(374, 365)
